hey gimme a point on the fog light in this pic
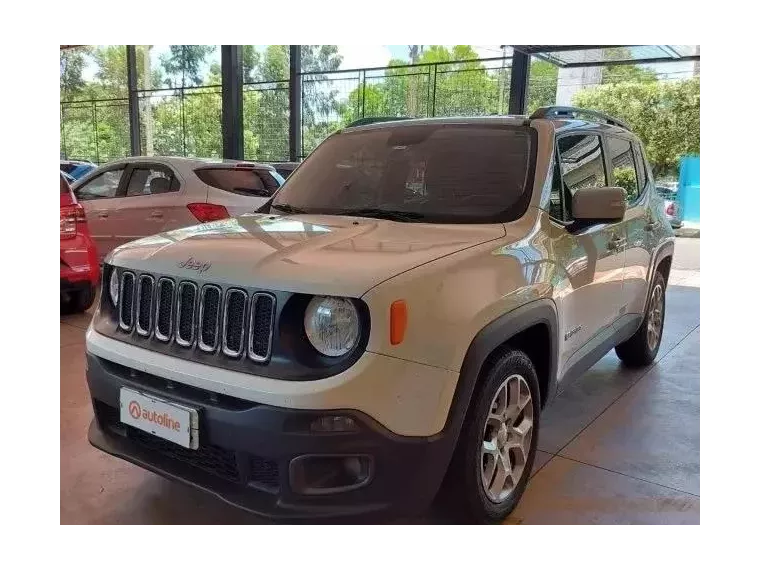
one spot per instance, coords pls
(321, 474)
(333, 424)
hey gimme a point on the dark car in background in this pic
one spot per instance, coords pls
(76, 169)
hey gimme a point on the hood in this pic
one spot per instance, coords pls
(329, 255)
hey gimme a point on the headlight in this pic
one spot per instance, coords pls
(332, 325)
(113, 287)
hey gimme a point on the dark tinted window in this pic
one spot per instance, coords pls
(150, 180)
(240, 180)
(443, 173)
(623, 167)
(67, 167)
(103, 185)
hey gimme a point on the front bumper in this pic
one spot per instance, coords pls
(246, 449)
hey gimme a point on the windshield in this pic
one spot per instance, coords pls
(431, 173)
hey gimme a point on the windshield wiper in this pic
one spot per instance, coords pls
(287, 209)
(394, 215)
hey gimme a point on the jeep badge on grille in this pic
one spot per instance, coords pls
(195, 265)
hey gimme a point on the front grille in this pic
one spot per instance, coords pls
(261, 327)
(262, 473)
(144, 305)
(165, 309)
(211, 303)
(234, 319)
(214, 320)
(186, 293)
(126, 300)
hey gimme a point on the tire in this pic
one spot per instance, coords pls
(78, 301)
(465, 488)
(640, 349)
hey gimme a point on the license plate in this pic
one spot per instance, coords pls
(167, 420)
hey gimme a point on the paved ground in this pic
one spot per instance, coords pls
(618, 446)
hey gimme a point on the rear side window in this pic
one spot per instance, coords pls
(244, 181)
(624, 167)
(151, 180)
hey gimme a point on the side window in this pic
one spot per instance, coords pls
(102, 186)
(151, 180)
(581, 165)
(556, 209)
(641, 169)
(624, 167)
(245, 181)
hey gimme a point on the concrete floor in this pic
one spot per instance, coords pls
(616, 447)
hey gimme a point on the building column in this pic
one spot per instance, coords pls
(134, 110)
(518, 84)
(296, 145)
(232, 102)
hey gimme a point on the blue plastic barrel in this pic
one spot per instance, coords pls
(688, 188)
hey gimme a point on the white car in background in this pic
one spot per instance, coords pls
(140, 196)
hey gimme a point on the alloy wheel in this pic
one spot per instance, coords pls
(654, 319)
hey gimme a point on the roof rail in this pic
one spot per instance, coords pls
(558, 112)
(372, 120)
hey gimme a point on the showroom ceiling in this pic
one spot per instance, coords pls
(588, 55)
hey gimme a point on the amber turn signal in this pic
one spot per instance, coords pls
(398, 321)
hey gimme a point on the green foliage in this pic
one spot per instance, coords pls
(625, 178)
(459, 88)
(72, 66)
(664, 114)
(94, 113)
(182, 65)
(542, 85)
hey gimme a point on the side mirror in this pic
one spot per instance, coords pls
(595, 205)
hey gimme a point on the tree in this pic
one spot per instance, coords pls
(182, 65)
(72, 65)
(542, 85)
(460, 88)
(664, 114)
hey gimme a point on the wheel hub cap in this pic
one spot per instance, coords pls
(507, 437)
(654, 318)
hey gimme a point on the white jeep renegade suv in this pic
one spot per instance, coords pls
(394, 321)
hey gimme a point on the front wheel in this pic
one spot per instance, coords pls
(497, 446)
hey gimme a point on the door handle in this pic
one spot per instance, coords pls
(615, 243)
(102, 215)
(156, 214)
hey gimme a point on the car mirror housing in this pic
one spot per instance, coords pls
(605, 204)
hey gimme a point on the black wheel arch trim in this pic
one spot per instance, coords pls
(665, 249)
(488, 339)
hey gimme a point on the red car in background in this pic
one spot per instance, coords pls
(80, 270)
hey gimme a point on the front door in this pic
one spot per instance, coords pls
(628, 172)
(99, 196)
(591, 257)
